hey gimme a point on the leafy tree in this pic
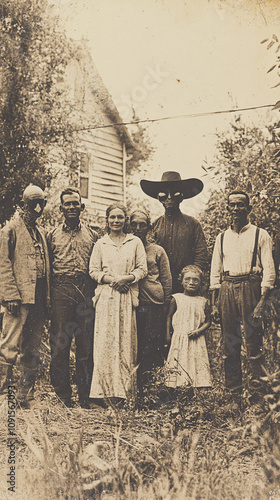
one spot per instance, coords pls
(137, 166)
(34, 53)
(248, 159)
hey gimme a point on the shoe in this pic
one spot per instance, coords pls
(24, 405)
(97, 403)
(85, 405)
(65, 402)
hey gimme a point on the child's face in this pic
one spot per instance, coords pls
(191, 282)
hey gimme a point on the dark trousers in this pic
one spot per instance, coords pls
(237, 302)
(21, 335)
(151, 335)
(72, 316)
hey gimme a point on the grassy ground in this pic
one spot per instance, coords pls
(169, 448)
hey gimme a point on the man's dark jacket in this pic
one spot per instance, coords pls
(182, 238)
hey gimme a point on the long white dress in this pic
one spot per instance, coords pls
(187, 361)
(115, 335)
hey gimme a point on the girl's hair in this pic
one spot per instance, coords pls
(121, 207)
(141, 211)
(193, 268)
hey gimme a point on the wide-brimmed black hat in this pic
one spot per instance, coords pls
(172, 180)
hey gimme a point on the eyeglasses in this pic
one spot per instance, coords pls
(33, 203)
(163, 196)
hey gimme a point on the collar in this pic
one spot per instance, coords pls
(28, 224)
(244, 228)
(173, 215)
(68, 229)
(128, 237)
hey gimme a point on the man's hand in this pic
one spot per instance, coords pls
(168, 338)
(258, 311)
(13, 306)
(215, 314)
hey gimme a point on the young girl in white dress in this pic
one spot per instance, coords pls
(187, 321)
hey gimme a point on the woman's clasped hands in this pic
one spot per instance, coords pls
(121, 283)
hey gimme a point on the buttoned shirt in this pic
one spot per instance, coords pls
(237, 256)
(182, 238)
(70, 249)
(39, 250)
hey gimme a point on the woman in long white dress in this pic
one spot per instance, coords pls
(117, 263)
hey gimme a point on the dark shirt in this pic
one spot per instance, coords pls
(182, 238)
(70, 250)
(157, 286)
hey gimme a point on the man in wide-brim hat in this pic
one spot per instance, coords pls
(179, 234)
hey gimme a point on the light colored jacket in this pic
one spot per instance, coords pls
(18, 274)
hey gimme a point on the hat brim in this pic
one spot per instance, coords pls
(188, 187)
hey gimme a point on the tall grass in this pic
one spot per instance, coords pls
(184, 445)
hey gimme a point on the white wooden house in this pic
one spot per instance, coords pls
(98, 161)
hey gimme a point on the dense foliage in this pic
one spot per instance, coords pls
(34, 53)
(249, 159)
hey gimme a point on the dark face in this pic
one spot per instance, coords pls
(34, 207)
(71, 208)
(116, 220)
(139, 226)
(191, 282)
(238, 208)
(170, 199)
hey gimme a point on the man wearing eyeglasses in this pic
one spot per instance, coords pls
(24, 295)
(180, 235)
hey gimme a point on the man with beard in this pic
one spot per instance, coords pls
(242, 273)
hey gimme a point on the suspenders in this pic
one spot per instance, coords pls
(254, 255)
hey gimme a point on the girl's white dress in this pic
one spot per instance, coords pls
(187, 361)
(115, 335)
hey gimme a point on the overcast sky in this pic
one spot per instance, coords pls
(173, 57)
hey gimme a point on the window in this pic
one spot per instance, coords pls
(84, 174)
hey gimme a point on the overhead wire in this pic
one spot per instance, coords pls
(164, 118)
(174, 117)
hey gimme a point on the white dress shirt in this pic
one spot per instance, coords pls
(237, 256)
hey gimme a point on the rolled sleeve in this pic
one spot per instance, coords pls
(95, 264)
(216, 265)
(267, 262)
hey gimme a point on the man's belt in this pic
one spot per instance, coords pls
(239, 278)
(71, 278)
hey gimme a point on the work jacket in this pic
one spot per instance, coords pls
(18, 273)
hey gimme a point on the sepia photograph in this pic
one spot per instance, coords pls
(140, 249)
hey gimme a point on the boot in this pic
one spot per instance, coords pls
(25, 392)
(6, 377)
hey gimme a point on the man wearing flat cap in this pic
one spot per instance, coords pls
(180, 235)
(24, 295)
